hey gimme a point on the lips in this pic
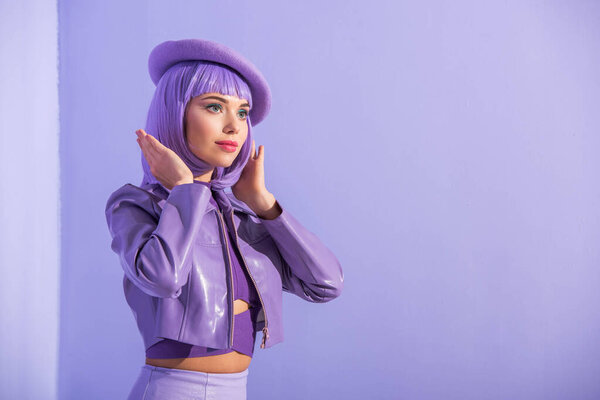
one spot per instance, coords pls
(227, 142)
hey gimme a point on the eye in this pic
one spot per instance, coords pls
(244, 114)
(212, 106)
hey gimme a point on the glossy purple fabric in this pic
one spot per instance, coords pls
(243, 341)
(171, 247)
(244, 323)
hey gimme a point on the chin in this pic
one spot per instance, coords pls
(224, 163)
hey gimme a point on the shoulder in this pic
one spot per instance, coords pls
(144, 197)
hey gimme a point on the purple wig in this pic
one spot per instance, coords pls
(166, 115)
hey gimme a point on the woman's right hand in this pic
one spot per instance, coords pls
(165, 164)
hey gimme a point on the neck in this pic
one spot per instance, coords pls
(206, 177)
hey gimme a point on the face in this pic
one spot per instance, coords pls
(212, 118)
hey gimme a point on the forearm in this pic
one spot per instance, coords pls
(309, 269)
(155, 249)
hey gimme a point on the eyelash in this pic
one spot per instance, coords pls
(218, 105)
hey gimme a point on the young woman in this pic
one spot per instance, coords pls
(204, 270)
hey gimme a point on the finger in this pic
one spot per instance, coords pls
(144, 146)
(141, 139)
(156, 145)
(253, 152)
(141, 133)
(150, 138)
(146, 149)
(261, 152)
(151, 145)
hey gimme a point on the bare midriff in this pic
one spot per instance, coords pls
(223, 363)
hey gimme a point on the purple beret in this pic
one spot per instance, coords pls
(168, 53)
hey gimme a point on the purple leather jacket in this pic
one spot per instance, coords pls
(172, 245)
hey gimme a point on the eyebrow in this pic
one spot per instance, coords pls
(224, 100)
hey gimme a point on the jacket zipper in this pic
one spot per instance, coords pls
(231, 277)
(265, 330)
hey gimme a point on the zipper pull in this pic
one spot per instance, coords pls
(265, 337)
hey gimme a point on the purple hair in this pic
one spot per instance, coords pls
(166, 115)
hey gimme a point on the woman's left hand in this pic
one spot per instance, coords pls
(250, 187)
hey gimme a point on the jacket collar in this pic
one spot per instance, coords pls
(163, 193)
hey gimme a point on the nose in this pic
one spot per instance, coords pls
(231, 128)
(233, 125)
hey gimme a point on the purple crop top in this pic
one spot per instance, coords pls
(244, 334)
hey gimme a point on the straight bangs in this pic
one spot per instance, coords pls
(166, 115)
(218, 78)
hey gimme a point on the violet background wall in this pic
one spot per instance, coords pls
(445, 151)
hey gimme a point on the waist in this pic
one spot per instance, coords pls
(169, 353)
(223, 363)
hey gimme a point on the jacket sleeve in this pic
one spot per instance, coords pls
(154, 246)
(309, 269)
